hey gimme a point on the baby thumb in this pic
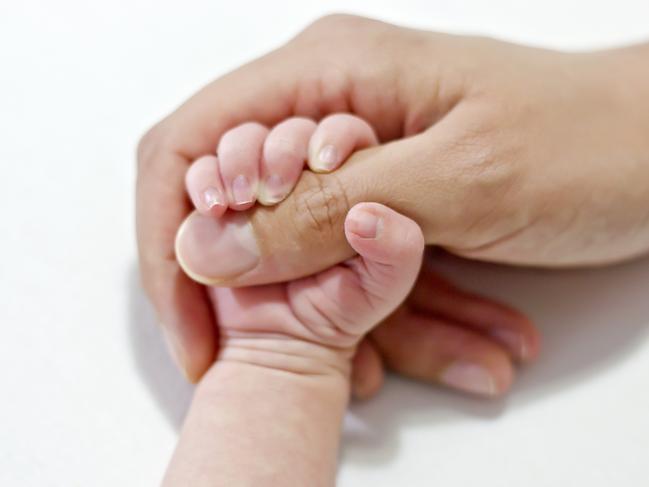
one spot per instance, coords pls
(390, 248)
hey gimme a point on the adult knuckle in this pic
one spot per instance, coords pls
(321, 206)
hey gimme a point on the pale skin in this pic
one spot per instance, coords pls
(255, 152)
(539, 160)
(269, 411)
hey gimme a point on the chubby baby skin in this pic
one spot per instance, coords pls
(466, 341)
(270, 409)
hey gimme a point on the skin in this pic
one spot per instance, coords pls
(451, 348)
(540, 160)
(269, 411)
(279, 390)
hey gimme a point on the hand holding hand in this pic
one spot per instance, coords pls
(498, 152)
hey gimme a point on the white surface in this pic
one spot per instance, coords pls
(87, 394)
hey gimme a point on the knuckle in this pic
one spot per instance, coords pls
(321, 206)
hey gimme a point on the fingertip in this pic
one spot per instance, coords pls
(239, 154)
(285, 150)
(204, 187)
(501, 323)
(381, 234)
(243, 191)
(336, 138)
(212, 251)
(363, 221)
(214, 202)
(325, 159)
(522, 340)
(272, 190)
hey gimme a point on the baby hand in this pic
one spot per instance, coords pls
(297, 325)
(334, 308)
(269, 411)
(252, 164)
(258, 164)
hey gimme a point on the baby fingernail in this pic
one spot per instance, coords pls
(327, 159)
(212, 197)
(469, 377)
(211, 249)
(242, 191)
(273, 190)
(364, 224)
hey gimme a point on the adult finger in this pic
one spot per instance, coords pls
(367, 370)
(512, 329)
(436, 351)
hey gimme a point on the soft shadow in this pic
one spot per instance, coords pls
(372, 428)
(590, 319)
(171, 392)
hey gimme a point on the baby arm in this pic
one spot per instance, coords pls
(269, 411)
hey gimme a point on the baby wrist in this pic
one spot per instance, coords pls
(287, 354)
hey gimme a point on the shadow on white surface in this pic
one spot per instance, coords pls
(590, 320)
(159, 374)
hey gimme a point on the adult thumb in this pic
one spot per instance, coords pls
(304, 234)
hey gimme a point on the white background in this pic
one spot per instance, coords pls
(88, 396)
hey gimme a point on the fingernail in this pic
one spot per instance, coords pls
(513, 340)
(242, 191)
(469, 377)
(273, 190)
(211, 249)
(364, 224)
(212, 197)
(327, 159)
(175, 349)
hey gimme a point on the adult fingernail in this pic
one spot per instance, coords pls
(211, 250)
(242, 191)
(469, 377)
(327, 159)
(273, 190)
(363, 223)
(175, 350)
(212, 197)
(512, 340)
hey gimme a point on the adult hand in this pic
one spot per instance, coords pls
(499, 152)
